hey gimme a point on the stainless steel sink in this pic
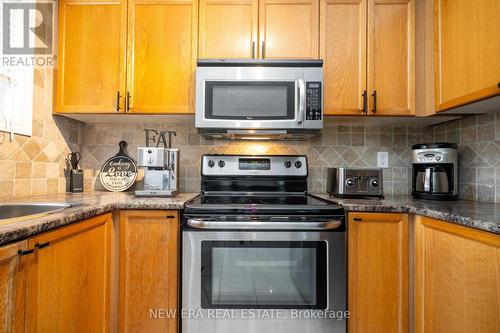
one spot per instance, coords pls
(10, 212)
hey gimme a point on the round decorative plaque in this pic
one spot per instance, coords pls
(119, 172)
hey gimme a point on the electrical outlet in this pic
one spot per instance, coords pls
(382, 159)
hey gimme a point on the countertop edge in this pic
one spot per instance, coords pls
(419, 208)
(21, 230)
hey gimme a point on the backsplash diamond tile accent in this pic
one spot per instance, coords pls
(342, 145)
(478, 139)
(35, 165)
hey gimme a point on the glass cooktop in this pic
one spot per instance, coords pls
(261, 203)
(258, 200)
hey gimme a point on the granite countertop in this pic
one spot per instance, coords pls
(87, 204)
(473, 214)
(478, 215)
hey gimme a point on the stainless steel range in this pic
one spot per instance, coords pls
(259, 253)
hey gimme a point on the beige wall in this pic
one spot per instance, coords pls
(35, 165)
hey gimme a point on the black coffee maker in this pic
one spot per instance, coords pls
(435, 171)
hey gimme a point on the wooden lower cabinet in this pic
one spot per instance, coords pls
(149, 270)
(68, 280)
(12, 287)
(457, 278)
(378, 272)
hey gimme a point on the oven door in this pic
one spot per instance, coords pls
(263, 281)
(239, 98)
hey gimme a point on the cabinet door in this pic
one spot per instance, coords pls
(378, 272)
(391, 47)
(68, 278)
(343, 50)
(228, 29)
(467, 46)
(91, 66)
(149, 270)
(12, 287)
(162, 38)
(457, 278)
(289, 29)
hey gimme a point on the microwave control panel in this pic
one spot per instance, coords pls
(313, 101)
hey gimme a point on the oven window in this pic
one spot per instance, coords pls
(249, 100)
(264, 275)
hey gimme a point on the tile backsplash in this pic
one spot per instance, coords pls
(339, 145)
(35, 165)
(478, 139)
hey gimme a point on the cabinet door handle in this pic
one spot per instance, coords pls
(365, 102)
(374, 95)
(170, 216)
(263, 49)
(118, 101)
(358, 219)
(25, 252)
(42, 245)
(127, 102)
(253, 50)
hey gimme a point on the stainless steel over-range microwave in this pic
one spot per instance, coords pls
(252, 99)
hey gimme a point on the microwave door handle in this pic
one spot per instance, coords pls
(302, 100)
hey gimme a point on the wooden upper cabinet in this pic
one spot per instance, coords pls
(91, 66)
(467, 48)
(68, 278)
(289, 29)
(391, 68)
(343, 50)
(12, 287)
(228, 29)
(378, 272)
(162, 37)
(149, 270)
(457, 278)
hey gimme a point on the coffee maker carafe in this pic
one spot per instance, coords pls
(435, 171)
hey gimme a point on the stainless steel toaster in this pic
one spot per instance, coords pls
(355, 182)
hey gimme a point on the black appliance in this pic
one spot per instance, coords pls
(255, 240)
(435, 171)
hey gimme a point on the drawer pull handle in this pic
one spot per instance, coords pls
(170, 216)
(358, 219)
(25, 252)
(42, 245)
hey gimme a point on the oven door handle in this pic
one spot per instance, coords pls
(258, 225)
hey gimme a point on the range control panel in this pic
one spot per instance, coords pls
(313, 101)
(249, 165)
